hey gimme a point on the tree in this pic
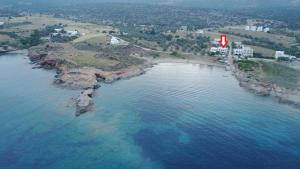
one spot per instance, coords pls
(169, 37)
(33, 40)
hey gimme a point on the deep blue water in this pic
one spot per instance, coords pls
(176, 116)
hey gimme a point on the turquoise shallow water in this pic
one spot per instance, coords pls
(178, 116)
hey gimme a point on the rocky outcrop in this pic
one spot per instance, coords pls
(49, 63)
(36, 56)
(77, 79)
(87, 77)
(259, 87)
(84, 102)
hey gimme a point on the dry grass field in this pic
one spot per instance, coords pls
(25, 25)
(285, 40)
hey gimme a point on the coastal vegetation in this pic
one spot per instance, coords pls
(280, 74)
(271, 72)
(247, 65)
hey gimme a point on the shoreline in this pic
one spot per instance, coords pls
(189, 61)
(89, 79)
(266, 89)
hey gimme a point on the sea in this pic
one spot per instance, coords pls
(176, 116)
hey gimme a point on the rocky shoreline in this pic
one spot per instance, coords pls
(86, 79)
(261, 88)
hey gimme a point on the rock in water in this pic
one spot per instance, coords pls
(84, 102)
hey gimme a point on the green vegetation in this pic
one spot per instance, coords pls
(273, 72)
(280, 74)
(263, 42)
(247, 65)
(177, 55)
(33, 40)
(154, 54)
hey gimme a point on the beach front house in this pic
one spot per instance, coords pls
(219, 50)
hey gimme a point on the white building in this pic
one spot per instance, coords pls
(260, 29)
(281, 54)
(247, 52)
(253, 28)
(238, 51)
(243, 51)
(267, 29)
(58, 30)
(257, 29)
(1, 23)
(214, 50)
(72, 33)
(55, 34)
(220, 50)
(114, 40)
(200, 31)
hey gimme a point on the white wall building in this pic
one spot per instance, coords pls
(281, 54)
(219, 50)
(238, 51)
(199, 31)
(213, 49)
(243, 51)
(114, 40)
(72, 33)
(247, 28)
(58, 30)
(260, 29)
(267, 29)
(247, 52)
(253, 28)
(257, 29)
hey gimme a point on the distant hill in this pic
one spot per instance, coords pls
(232, 4)
(224, 4)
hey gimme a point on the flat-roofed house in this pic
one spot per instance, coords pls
(253, 28)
